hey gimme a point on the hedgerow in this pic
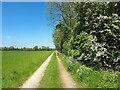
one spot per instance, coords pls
(90, 33)
(90, 77)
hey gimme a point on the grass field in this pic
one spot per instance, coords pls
(51, 77)
(89, 78)
(0, 70)
(17, 66)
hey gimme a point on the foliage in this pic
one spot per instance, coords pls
(60, 35)
(78, 44)
(88, 77)
(35, 48)
(90, 33)
(45, 48)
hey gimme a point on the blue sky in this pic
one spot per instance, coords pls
(24, 24)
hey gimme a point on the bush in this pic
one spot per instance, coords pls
(88, 76)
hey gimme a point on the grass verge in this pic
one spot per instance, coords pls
(89, 78)
(17, 66)
(51, 77)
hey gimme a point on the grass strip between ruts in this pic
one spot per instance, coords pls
(51, 76)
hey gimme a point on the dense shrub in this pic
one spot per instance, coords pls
(90, 77)
(78, 44)
(94, 37)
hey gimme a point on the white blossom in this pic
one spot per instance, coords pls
(116, 15)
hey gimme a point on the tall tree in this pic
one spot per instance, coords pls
(89, 31)
(35, 48)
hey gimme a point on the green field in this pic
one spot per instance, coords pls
(51, 77)
(17, 66)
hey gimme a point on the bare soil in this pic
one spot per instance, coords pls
(65, 77)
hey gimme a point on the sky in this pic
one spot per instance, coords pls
(24, 24)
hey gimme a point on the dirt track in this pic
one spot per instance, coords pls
(34, 80)
(65, 77)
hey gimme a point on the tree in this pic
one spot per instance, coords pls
(24, 48)
(89, 31)
(44, 48)
(60, 35)
(62, 10)
(5, 48)
(11, 48)
(35, 48)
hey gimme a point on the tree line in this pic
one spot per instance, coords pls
(35, 48)
(88, 32)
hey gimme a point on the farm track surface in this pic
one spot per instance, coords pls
(34, 80)
(65, 77)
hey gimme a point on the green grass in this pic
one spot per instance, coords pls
(51, 77)
(89, 78)
(17, 66)
(0, 70)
